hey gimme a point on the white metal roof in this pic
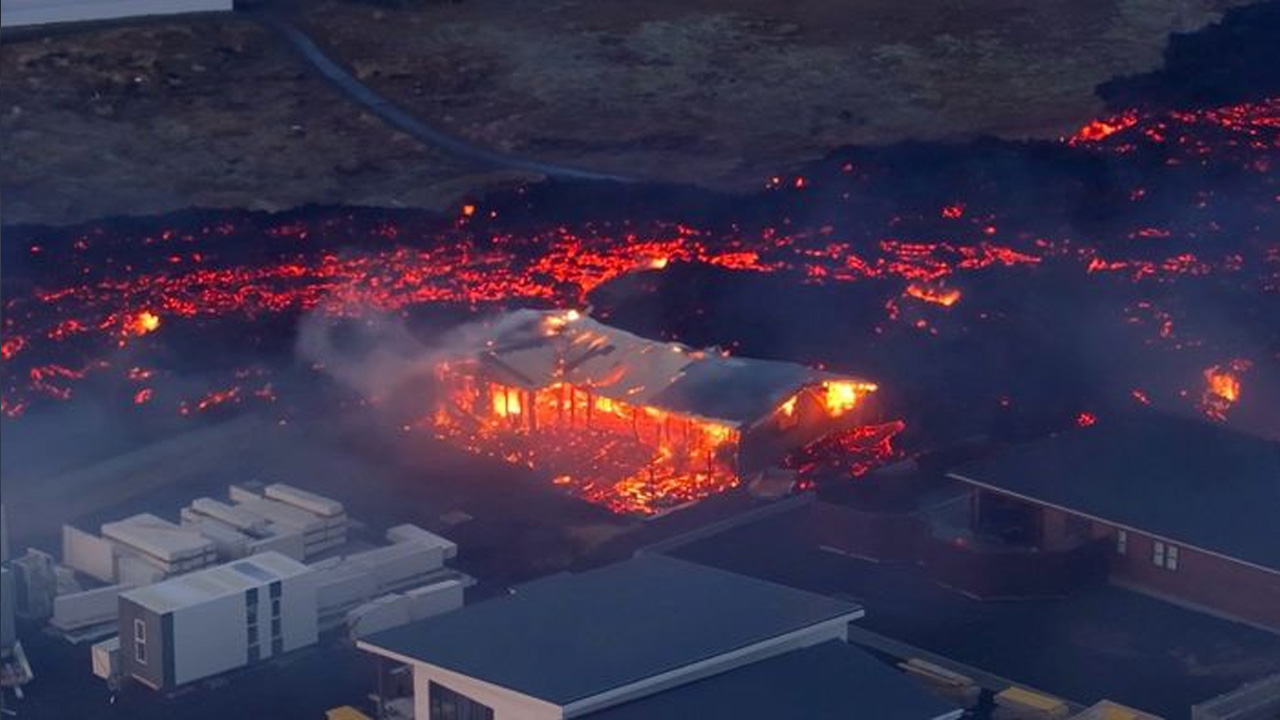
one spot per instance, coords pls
(537, 348)
(211, 583)
(158, 537)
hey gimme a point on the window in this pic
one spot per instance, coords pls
(1157, 554)
(1171, 558)
(275, 607)
(1122, 542)
(140, 641)
(446, 704)
(253, 634)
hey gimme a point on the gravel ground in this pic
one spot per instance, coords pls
(201, 112)
(724, 95)
(216, 112)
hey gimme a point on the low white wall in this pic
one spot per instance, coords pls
(88, 554)
(89, 607)
(15, 13)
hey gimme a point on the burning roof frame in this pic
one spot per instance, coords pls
(690, 422)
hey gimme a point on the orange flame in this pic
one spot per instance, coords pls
(839, 397)
(143, 323)
(937, 295)
(1222, 387)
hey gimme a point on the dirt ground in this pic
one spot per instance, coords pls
(724, 94)
(217, 112)
(212, 113)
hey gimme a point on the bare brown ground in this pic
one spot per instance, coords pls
(218, 113)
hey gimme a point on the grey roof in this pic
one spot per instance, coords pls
(1199, 484)
(534, 349)
(832, 680)
(741, 390)
(575, 637)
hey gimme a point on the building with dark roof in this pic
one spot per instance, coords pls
(829, 681)
(578, 645)
(1189, 510)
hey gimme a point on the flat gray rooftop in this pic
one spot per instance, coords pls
(1190, 481)
(574, 637)
(828, 681)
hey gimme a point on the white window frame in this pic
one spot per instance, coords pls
(1157, 553)
(139, 641)
(1122, 542)
(1171, 557)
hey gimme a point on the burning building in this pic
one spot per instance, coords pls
(631, 423)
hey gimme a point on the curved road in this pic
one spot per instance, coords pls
(397, 117)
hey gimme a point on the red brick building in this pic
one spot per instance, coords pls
(1188, 511)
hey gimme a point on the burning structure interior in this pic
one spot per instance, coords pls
(637, 425)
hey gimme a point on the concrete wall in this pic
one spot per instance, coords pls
(87, 607)
(210, 638)
(89, 554)
(299, 612)
(883, 537)
(14, 13)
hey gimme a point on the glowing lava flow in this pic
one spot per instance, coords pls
(76, 306)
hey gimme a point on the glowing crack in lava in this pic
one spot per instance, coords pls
(632, 424)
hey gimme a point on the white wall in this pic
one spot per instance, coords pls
(298, 619)
(210, 638)
(87, 553)
(506, 704)
(14, 13)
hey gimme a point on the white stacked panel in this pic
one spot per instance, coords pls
(86, 608)
(169, 547)
(409, 532)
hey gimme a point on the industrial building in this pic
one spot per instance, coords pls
(218, 619)
(192, 627)
(640, 425)
(650, 637)
(1180, 508)
(143, 549)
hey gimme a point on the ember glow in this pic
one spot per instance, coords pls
(629, 458)
(853, 452)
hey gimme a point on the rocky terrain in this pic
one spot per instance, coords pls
(218, 112)
(212, 113)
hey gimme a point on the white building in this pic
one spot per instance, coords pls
(217, 619)
(650, 637)
(16, 13)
